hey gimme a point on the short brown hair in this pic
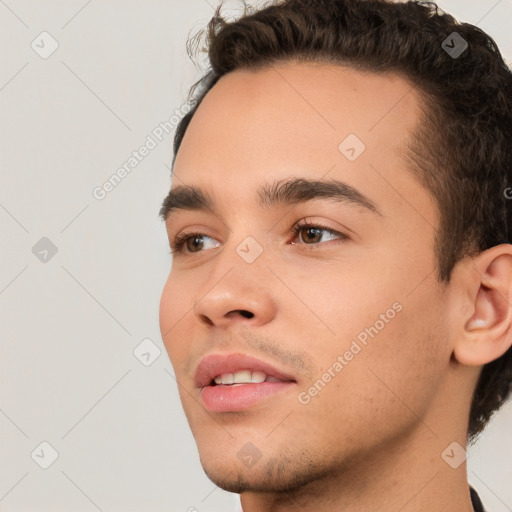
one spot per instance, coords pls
(462, 149)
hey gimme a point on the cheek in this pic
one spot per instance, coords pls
(404, 363)
(394, 340)
(336, 301)
(384, 385)
(166, 309)
(172, 313)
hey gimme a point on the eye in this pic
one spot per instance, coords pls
(192, 243)
(306, 232)
(312, 234)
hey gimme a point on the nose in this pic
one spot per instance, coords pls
(239, 297)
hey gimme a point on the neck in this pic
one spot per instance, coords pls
(407, 475)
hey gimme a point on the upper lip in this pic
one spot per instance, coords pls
(213, 365)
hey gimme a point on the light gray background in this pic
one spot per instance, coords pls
(69, 326)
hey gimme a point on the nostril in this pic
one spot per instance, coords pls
(241, 312)
(205, 319)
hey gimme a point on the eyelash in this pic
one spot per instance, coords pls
(180, 240)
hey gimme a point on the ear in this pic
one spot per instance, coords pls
(484, 330)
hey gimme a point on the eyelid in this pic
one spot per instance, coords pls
(305, 223)
(178, 242)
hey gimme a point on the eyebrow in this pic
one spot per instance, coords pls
(284, 192)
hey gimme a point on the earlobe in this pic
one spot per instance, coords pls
(486, 331)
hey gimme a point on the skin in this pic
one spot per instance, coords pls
(373, 437)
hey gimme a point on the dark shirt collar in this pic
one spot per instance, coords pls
(475, 500)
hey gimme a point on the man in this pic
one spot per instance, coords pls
(338, 311)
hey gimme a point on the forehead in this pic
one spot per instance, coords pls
(292, 119)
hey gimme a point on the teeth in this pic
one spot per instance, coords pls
(258, 377)
(243, 377)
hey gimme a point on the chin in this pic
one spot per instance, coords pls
(231, 482)
(283, 473)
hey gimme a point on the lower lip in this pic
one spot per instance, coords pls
(238, 397)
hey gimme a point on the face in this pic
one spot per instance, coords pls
(307, 259)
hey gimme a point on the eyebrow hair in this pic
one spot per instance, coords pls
(300, 190)
(283, 192)
(185, 197)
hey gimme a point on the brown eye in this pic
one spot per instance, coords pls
(194, 243)
(311, 235)
(314, 234)
(186, 243)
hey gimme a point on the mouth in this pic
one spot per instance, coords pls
(235, 382)
(242, 377)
